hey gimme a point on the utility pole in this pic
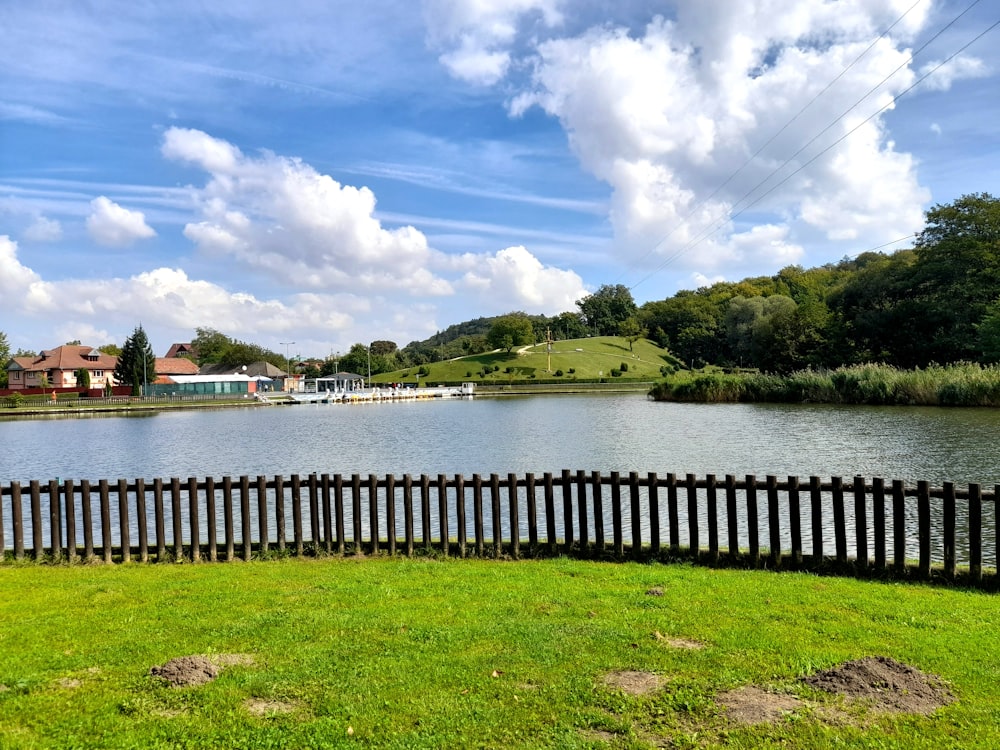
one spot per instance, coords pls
(288, 360)
(548, 350)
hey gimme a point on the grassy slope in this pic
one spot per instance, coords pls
(425, 653)
(591, 358)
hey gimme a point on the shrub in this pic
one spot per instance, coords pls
(559, 373)
(468, 374)
(623, 367)
(572, 371)
(616, 373)
(496, 368)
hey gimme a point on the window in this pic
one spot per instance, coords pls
(98, 373)
(17, 374)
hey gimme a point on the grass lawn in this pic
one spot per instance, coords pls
(413, 653)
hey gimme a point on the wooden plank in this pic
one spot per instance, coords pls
(567, 498)
(550, 514)
(975, 533)
(356, 512)
(193, 521)
(326, 500)
(581, 504)
(861, 522)
(496, 516)
(635, 514)
(86, 514)
(773, 520)
(462, 530)
(878, 521)
(123, 521)
(297, 515)
(140, 518)
(338, 504)
(373, 524)
(227, 516)
(712, 509)
(104, 493)
(694, 542)
(530, 503)
(69, 500)
(996, 529)
(390, 512)
(55, 520)
(477, 511)
(213, 523)
(652, 484)
(17, 520)
(595, 482)
(314, 513)
(753, 524)
(673, 518)
(899, 525)
(408, 513)
(795, 519)
(816, 509)
(442, 493)
(262, 531)
(924, 527)
(3, 548)
(513, 517)
(246, 523)
(616, 514)
(425, 512)
(159, 520)
(175, 517)
(948, 519)
(839, 519)
(732, 518)
(279, 511)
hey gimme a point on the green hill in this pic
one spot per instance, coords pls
(576, 359)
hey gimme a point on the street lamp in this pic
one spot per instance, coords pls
(288, 358)
(369, 365)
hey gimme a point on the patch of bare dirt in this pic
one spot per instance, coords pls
(199, 669)
(634, 683)
(885, 683)
(68, 682)
(655, 591)
(752, 705)
(682, 643)
(261, 707)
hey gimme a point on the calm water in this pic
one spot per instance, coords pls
(518, 434)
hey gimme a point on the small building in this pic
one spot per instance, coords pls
(57, 368)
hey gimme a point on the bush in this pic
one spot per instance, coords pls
(623, 367)
(616, 373)
(468, 374)
(559, 373)
(572, 371)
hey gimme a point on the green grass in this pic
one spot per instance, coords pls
(443, 653)
(590, 358)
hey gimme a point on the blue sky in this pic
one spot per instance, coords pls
(340, 172)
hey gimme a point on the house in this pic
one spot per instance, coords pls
(169, 366)
(57, 368)
(182, 350)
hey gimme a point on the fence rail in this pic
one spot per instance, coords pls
(868, 527)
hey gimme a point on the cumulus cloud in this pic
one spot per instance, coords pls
(280, 216)
(43, 230)
(941, 77)
(114, 226)
(515, 278)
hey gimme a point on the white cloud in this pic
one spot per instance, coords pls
(43, 230)
(515, 279)
(114, 226)
(959, 68)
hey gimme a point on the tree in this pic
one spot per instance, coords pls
(113, 349)
(607, 308)
(4, 359)
(630, 330)
(136, 364)
(508, 331)
(83, 378)
(210, 345)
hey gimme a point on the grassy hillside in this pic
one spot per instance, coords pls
(577, 359)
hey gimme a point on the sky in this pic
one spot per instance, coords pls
(309, 175)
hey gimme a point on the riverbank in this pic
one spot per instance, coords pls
(962, 384)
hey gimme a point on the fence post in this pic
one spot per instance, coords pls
(356, 512)
(195, 527)
(442, 493)
(694, 542)
(3, 549)
(246, 536)
(795, 519)
(297, 514)
(581, 503)
(567, 497)
(477, 512)
(213, 531)
(861, 522)
(654, 512)
(753, 524)
(390, 512)
(672, 516)
(70, 502)
(839, 520)
(140, 518)
(713, 517)
(123, 521)
(338, 500)
(55, 520)
(373, 525)
(949, 530)
(816, 509)
(616, 514)
(279, 511)
(773, 525)
(105, 500)
(635, 512)
(495, 514)
(732, 519)
(595, 480)
(878, 520)
(227, 513)
(529, 499)
(462, 530)
(85, 510)
(899, 525)
(976, 533)
(425, 512)
(550, 514)
(996, 529)
(261, 515)
(17, 520)
(314, 531)
(175, 515)
(924, 527)
(326, 498)
(408, 513)
(515, 525)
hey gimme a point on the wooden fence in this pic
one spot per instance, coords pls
(870, 528)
